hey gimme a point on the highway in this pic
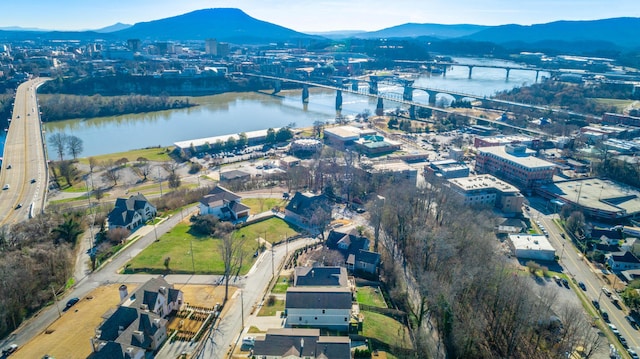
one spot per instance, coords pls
(578, 268)
(24, 174)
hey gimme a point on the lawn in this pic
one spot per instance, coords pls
(270, 310)
(157, 154)
(619, 104)
(259, 205)
(273, 228)
(177, 244)
(370, 296)
(281, 285)
(386, 330)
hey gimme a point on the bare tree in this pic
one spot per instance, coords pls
(58, 141)
(111, 172)
(74, 146)
(143, 167)
(232, 252)
(118, 235)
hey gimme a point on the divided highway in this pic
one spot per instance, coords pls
(24, 175)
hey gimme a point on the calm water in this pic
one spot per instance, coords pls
(238, 112)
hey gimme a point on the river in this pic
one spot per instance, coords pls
(238, 112)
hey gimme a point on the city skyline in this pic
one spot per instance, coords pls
(315, 16)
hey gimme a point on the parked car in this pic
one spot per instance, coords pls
(633, 354)
(605, 316)
(9, 166)
(19, 206)
(565, 282)
(70, 303)
(631, 321)
(623, 341)
(596, 303)
(606, 291)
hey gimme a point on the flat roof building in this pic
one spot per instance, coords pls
(596, 197)
(448, 169)
(486, 190)
(199, 144)
(528, 246)
(513, 163)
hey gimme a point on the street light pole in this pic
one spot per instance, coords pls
(242, 308)
(193, 263)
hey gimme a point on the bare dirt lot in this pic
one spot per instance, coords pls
(69, 337)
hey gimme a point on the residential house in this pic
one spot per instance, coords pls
(301, 343)
(320, 277)
(223, 204)
(139, 323)
(157, 296)
(132, 327)
(621, 261)
(319, 307)
(355, 249)
(302, 207)
(114, 350)
(131, 213)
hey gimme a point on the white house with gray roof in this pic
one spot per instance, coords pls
(319, 307)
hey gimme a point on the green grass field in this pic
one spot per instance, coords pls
(177, 245)
(386, 330)
(370, 296)
(158, 154)
(259, 205)
(281, 285)
(270, 310)
(275, 229)
(618, 104)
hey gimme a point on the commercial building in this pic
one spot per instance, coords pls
(343, 136)
(447, 169)
(514, 164)
(595, 197)
(205, 143)
(375, 145)
(486, 190)
(502, 140)
(535, 247)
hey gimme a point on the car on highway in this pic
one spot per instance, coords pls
(9, 166)
(605, 316)
(595, 303)
(6, 186)
(33, 180)
(70, 303)
(631, 321)
(9, 349)
(606, 291)
(582, 286)
(19, 206)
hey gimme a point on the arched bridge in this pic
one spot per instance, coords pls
(396, 97)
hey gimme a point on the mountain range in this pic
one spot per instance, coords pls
(235, 26)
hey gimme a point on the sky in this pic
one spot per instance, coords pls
(313, 15)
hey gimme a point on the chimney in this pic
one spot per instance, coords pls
(139, 335)
(313, 273)
(123, 292)
(301, 345)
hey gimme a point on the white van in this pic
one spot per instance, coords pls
(606, 291)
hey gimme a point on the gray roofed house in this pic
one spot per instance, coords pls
(301, 343)
(320, 276)
(157, 296)
(223, 204)
(131, 213)
(355, 249)
(319, 297)
(113, 350)
(319, 307)
(302, 206)
(620, 261)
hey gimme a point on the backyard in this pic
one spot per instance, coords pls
(188, 252)
(259, 205)
(272, 230)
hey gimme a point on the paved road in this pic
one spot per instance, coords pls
(24, 152)
(577, 267)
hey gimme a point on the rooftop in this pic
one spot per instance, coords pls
(598, 194)
(525, 160)
(482, 182)
(527, 241)
(211, 140)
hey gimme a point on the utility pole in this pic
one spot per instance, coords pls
(55, 298)
(160, 180)
(193, 263)
(242, 308)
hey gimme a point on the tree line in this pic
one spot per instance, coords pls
(37, 258)
(442, 264)
(62, 107)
